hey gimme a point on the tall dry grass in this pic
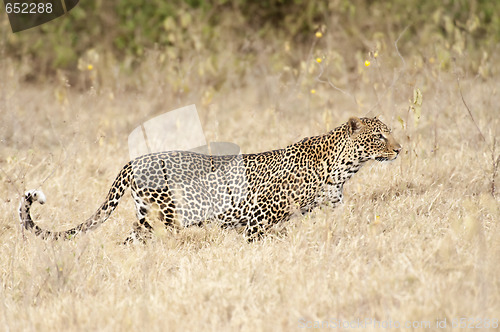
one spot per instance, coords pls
(417, 239)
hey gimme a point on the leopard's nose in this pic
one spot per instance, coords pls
(397, 148)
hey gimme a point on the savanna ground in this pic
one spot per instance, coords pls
(417, 240)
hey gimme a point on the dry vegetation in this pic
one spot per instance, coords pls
(417, 239)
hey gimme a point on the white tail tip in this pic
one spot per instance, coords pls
(37, 195)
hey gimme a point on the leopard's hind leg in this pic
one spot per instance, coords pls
(142, 230)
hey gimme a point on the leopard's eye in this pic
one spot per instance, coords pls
(381, 136)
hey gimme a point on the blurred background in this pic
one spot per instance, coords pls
(125, 43)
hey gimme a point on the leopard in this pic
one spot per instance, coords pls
(253, 192)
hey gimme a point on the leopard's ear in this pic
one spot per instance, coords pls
(354, 125)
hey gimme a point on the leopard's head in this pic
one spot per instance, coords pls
(372, 139)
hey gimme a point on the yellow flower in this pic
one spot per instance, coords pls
(319, 34)
(313, 91)
(90, 67)
(367, 63)
(318, 60)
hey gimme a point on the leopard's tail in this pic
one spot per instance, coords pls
(121, 183)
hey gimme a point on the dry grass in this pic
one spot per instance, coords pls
(417, 239)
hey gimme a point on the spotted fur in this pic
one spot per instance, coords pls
(255, 191)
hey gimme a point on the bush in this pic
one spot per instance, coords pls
(122, 31)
